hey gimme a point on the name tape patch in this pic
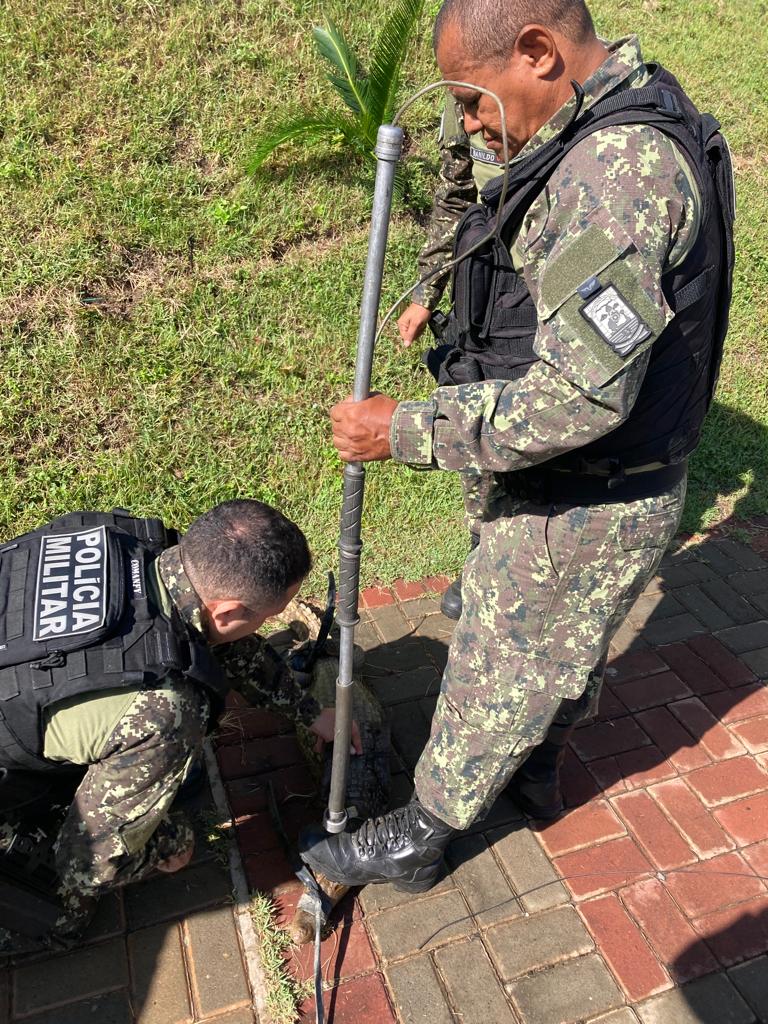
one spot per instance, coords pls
(615, 320)
(485, 156)
(71, 592)
(137, 578)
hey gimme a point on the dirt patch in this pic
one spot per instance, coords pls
(23, 314)
(143, 273)
(137, 274)
(314, 242)
(748, 162)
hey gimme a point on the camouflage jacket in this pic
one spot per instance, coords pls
(251, 665)
(466, 165)
(628, 184)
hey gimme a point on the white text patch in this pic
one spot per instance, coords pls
(71, 593)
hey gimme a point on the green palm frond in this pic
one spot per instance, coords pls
(303, 127)
(400, 184)
(347, 80)
(388, 58)
(370, 99)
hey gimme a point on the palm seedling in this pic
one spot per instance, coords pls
(369, 98)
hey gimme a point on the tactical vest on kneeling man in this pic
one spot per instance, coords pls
(80, 613)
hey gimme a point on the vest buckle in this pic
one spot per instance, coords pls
(671, 104)
(616, 474)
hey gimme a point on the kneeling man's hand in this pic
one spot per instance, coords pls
(323, 727)
(361, 429)
(177, 862)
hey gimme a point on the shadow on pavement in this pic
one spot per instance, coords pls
(719, 997)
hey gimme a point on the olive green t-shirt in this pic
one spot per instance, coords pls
(78, 728)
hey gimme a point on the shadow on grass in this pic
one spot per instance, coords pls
(729, 466)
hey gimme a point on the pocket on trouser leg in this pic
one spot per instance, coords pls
(479, 734)
(617, 552)
(648, 531)
(642, 540)
(508, 587)
(151, 839)
(135, 835)
(141, 823)
(174, 836)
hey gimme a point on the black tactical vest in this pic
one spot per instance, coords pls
(76, 617)
(493, 322)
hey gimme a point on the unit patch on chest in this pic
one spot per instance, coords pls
(71, 591)
(615, 320)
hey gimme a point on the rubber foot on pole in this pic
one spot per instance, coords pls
(335, 824)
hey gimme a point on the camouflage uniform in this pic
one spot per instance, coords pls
(466, 164)
(549, 583)
(119, 825)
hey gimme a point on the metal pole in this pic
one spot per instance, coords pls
(389, 144)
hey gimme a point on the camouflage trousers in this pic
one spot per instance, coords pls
(118, 827)
(478, 491)
(543, 594)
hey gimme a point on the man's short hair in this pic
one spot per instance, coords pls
(489, 28)
(244, 550)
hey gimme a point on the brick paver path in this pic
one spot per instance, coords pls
(645, 902)
(165, 951)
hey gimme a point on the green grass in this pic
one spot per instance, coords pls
(173, 331)
(284, 994)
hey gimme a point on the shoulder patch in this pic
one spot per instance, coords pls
(615, 320)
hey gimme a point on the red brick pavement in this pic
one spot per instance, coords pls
(661, 851)
(648, 930)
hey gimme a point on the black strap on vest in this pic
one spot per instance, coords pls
(694, 290)
(651, 105)
(490, 333)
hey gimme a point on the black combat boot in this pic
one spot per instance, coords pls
(535, 787)
(450, 605)
(404, 846)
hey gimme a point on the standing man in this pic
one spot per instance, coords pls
(107, 679)
(617, 239)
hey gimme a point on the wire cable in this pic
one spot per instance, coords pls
(319, 1007)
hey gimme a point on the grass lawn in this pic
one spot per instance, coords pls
(174, 331)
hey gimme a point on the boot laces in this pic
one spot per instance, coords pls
(389, 832)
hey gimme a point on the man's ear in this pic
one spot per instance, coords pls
(537, 49)
(226, 616)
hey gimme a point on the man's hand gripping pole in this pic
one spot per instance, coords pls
(389, 146)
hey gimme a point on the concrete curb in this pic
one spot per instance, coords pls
(249, 941)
